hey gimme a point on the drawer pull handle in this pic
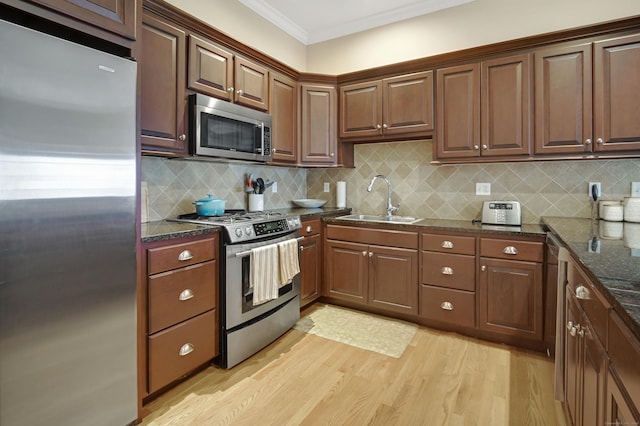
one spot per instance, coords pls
(186, 349)
(510, 250)
(582, 293)
(309, 228)
(447, 306)
(447, 271)
(186, 295)
(447, 244)
(185, 255)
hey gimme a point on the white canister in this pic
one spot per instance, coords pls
(613, 213)
(632, 235)
(603, 203)
(611, 230)
(341, 194)
(256, 202)
(632, 209)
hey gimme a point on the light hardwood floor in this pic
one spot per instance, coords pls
(441, 379)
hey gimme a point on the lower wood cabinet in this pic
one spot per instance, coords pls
(310, 262)
(372, 267)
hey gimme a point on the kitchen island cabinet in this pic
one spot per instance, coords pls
(372, 267)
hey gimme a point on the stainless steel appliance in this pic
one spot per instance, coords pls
(245, 328)
(501, 213)
(221, 129)
(67, 226)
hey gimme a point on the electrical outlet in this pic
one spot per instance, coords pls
(635, 189)
(326, 187)
(594, 245)
(598, 189)
(483, 188)
(274, 187)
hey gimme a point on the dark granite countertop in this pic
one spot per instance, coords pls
(615, 269)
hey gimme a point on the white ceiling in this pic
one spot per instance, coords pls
(313, 21)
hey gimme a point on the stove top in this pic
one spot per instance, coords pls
(242, 226)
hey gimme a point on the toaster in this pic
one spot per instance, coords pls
(501, 213)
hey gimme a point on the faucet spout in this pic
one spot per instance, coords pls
(390, 207)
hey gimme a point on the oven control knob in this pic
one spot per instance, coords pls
(238, 232)
(248, 230)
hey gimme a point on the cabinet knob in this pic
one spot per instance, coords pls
(331, 154)
(569, 325)
(599, 141)
(446, 244)
(447, 271)
(182, 137)
(370, 254)
(186, 349)
(384, 126)
(581, 332)
(485, 147)
(230, 89)
(476, 147)
(309, 228)
(240, 92)
(274, 150)
(511, 250)
(587, 142)
(582, 293)
(301, 247)
(185, 255)
(364, 253)
(447, 306)
(378, 126)
(483, 268)
(186, 294)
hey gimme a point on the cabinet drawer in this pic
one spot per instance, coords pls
(448, 305)
(449, 270)
(624, 352)
(380, 237)
(513, 250)
(175, 296)
(176, 256)
(449, 243)
(310, 227)
(592, 303)
(180, 349)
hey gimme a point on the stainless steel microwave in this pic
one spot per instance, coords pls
(221, 129)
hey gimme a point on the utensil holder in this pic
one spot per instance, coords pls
(256, 202)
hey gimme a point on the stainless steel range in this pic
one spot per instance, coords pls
(246, 328)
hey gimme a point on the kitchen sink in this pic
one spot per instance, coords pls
(380, 218)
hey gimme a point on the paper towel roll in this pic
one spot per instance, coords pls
(341, 194)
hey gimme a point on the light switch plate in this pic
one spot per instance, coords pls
(635, 189)
(274, 187)
(483, 188)
(326, 187)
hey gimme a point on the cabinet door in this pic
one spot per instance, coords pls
(310, 269)
(505, 91)
(408, 104)
(393, 276)
(283, 107)
(361, 109)
(510, 295)
(163, 98)
(573, 358)
(251, 84)
(619, 411)
(319, 140)
(616, 88)
(346, 271)
(594, 376)
(116, 16)
(210, 69)
(458, 111)
(563, 99)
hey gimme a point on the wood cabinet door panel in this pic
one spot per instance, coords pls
(310, 249)
(162, 94)
(616, 88)
(510, 298)
(283, 107)
(408, 103)
(346, 271)
(505, 91)
(596, 308)
(361, 109)
(563, 99)
(449, 270)
(210, 68)
(624, 351)
(177, 295)
(458, 111)
(619, 410)
(573, 360)
(319, 141)
(393, 279)
(251, 84)
(594, 376)
(448, 305)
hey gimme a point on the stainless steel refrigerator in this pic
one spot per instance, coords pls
(67, 233)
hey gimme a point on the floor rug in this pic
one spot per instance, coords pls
(366, 331)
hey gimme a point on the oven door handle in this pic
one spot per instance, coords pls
(248, 252)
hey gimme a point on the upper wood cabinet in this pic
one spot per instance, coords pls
(484, 109)
(220, 73)
(163, 101)
(389, 107)
(283, 107)
(318, 124)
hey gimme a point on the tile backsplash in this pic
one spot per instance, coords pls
(174, 184)
(544, 188)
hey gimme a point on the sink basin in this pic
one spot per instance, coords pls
(381, 219)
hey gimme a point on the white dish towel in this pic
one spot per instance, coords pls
(265, 273)
(289, 267)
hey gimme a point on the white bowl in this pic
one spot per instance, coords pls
(310, 203)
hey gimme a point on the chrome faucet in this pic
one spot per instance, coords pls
(390, 207)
